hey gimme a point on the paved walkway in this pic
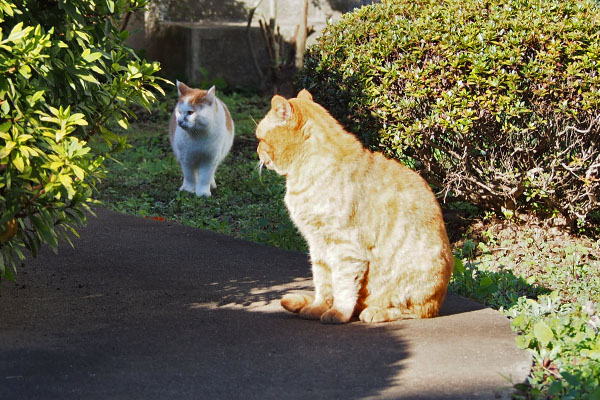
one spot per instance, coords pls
(144, 309)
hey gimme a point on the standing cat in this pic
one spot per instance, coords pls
(201, 135)
(377, 240)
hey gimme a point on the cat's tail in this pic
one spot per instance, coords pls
(294, 302)
(407, 309)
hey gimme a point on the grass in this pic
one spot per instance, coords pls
(545, 280)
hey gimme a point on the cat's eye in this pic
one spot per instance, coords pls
(190, 112)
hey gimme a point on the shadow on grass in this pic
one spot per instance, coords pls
(492, 288)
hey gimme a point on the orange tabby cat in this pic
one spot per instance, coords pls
(377, 240)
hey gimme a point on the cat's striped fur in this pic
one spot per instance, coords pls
(377, 239)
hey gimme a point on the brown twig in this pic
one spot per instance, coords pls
(251, 44)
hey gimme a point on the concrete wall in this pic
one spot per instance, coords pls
(197, 54)
(199, 40)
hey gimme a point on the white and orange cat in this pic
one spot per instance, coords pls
(201, 134)
(375, 231)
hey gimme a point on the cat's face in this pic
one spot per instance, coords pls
(195, 108)
(280, 136)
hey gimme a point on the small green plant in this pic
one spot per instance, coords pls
(564, 341)
(65, 77)
(500, 289)
(547, 284)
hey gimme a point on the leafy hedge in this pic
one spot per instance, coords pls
(495, 101)
(65, 76)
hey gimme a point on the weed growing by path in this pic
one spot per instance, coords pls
(547, 282)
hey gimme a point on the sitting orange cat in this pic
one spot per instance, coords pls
(377, 240)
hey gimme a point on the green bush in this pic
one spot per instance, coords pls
(495, 102)
(65, 76)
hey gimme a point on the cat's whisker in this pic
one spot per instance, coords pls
(253, 120)
(259, 166)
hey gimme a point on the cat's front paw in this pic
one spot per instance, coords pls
(334, 316)
(204, 192)
(187, 188)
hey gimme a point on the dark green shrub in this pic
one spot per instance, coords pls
(494, 101)
(65, 76)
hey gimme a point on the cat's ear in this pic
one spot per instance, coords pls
(182, 88)
(305, 95)
(282, 108)
(210, 95)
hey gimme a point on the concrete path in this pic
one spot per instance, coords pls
(144, 309)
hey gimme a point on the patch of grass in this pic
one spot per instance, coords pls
(548, 283)
(545, 280)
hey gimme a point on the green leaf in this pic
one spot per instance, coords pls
(18, 162)
(25, 71)
(90, 57)
(459, 267)
(78, 119)
(54, 111)
(570, 378)
(555, 388)
(78, 171)
(36, 96)
(523, 341)
(65, 180)
(5, 107)
(485, 282)
(9, 274)
(5, 126)
(543, 333)
(5, 151)
(87, 77)
(123, 123)
(46, 232)
(16, 33)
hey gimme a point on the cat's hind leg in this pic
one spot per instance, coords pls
(294, 302)
(374, 315)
